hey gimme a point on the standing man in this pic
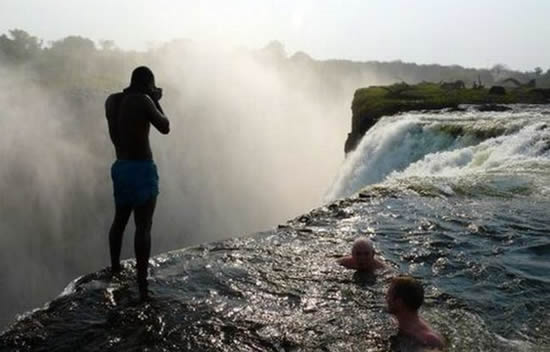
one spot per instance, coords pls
(130, 115)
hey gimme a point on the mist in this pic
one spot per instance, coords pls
(251, 146)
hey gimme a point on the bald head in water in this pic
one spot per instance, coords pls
(362, 257)
(362, 249)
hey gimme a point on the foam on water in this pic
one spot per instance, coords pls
(504, 151)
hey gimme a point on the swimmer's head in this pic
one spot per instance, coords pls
(362, 249)
(405, 293)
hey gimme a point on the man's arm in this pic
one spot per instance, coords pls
(112, 105)
(379, 264)
(156, 115)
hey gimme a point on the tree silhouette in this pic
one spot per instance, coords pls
(19, 46)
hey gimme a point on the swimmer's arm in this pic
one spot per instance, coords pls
(379, 264)
(347, 262)
(434, 341)
(156, 115)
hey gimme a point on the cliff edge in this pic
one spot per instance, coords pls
(370, 104)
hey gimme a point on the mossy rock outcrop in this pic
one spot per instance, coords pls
(370, 104)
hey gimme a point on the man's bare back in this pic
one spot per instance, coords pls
(420, 330)
(130, 116)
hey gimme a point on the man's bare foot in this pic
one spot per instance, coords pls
(115, 271)
(144, 291)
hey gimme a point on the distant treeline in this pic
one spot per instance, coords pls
(78, 61)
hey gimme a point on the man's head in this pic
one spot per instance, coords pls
(363, 251)
(405, 293)
(142, 79)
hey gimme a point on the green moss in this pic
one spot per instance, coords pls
(428, 94)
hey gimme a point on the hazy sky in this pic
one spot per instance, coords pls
(473, 33)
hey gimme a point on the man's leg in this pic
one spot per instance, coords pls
(122, 214)
(143, 217)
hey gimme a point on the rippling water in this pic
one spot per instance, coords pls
(466, 212)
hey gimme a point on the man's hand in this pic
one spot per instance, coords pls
(155, 114)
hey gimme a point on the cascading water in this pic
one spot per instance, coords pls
(498, 151)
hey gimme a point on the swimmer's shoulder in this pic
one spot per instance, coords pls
(433, 340)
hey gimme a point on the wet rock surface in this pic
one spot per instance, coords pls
(281, 290)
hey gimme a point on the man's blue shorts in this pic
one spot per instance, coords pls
(134, 181)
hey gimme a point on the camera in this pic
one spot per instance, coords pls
(156, 93)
